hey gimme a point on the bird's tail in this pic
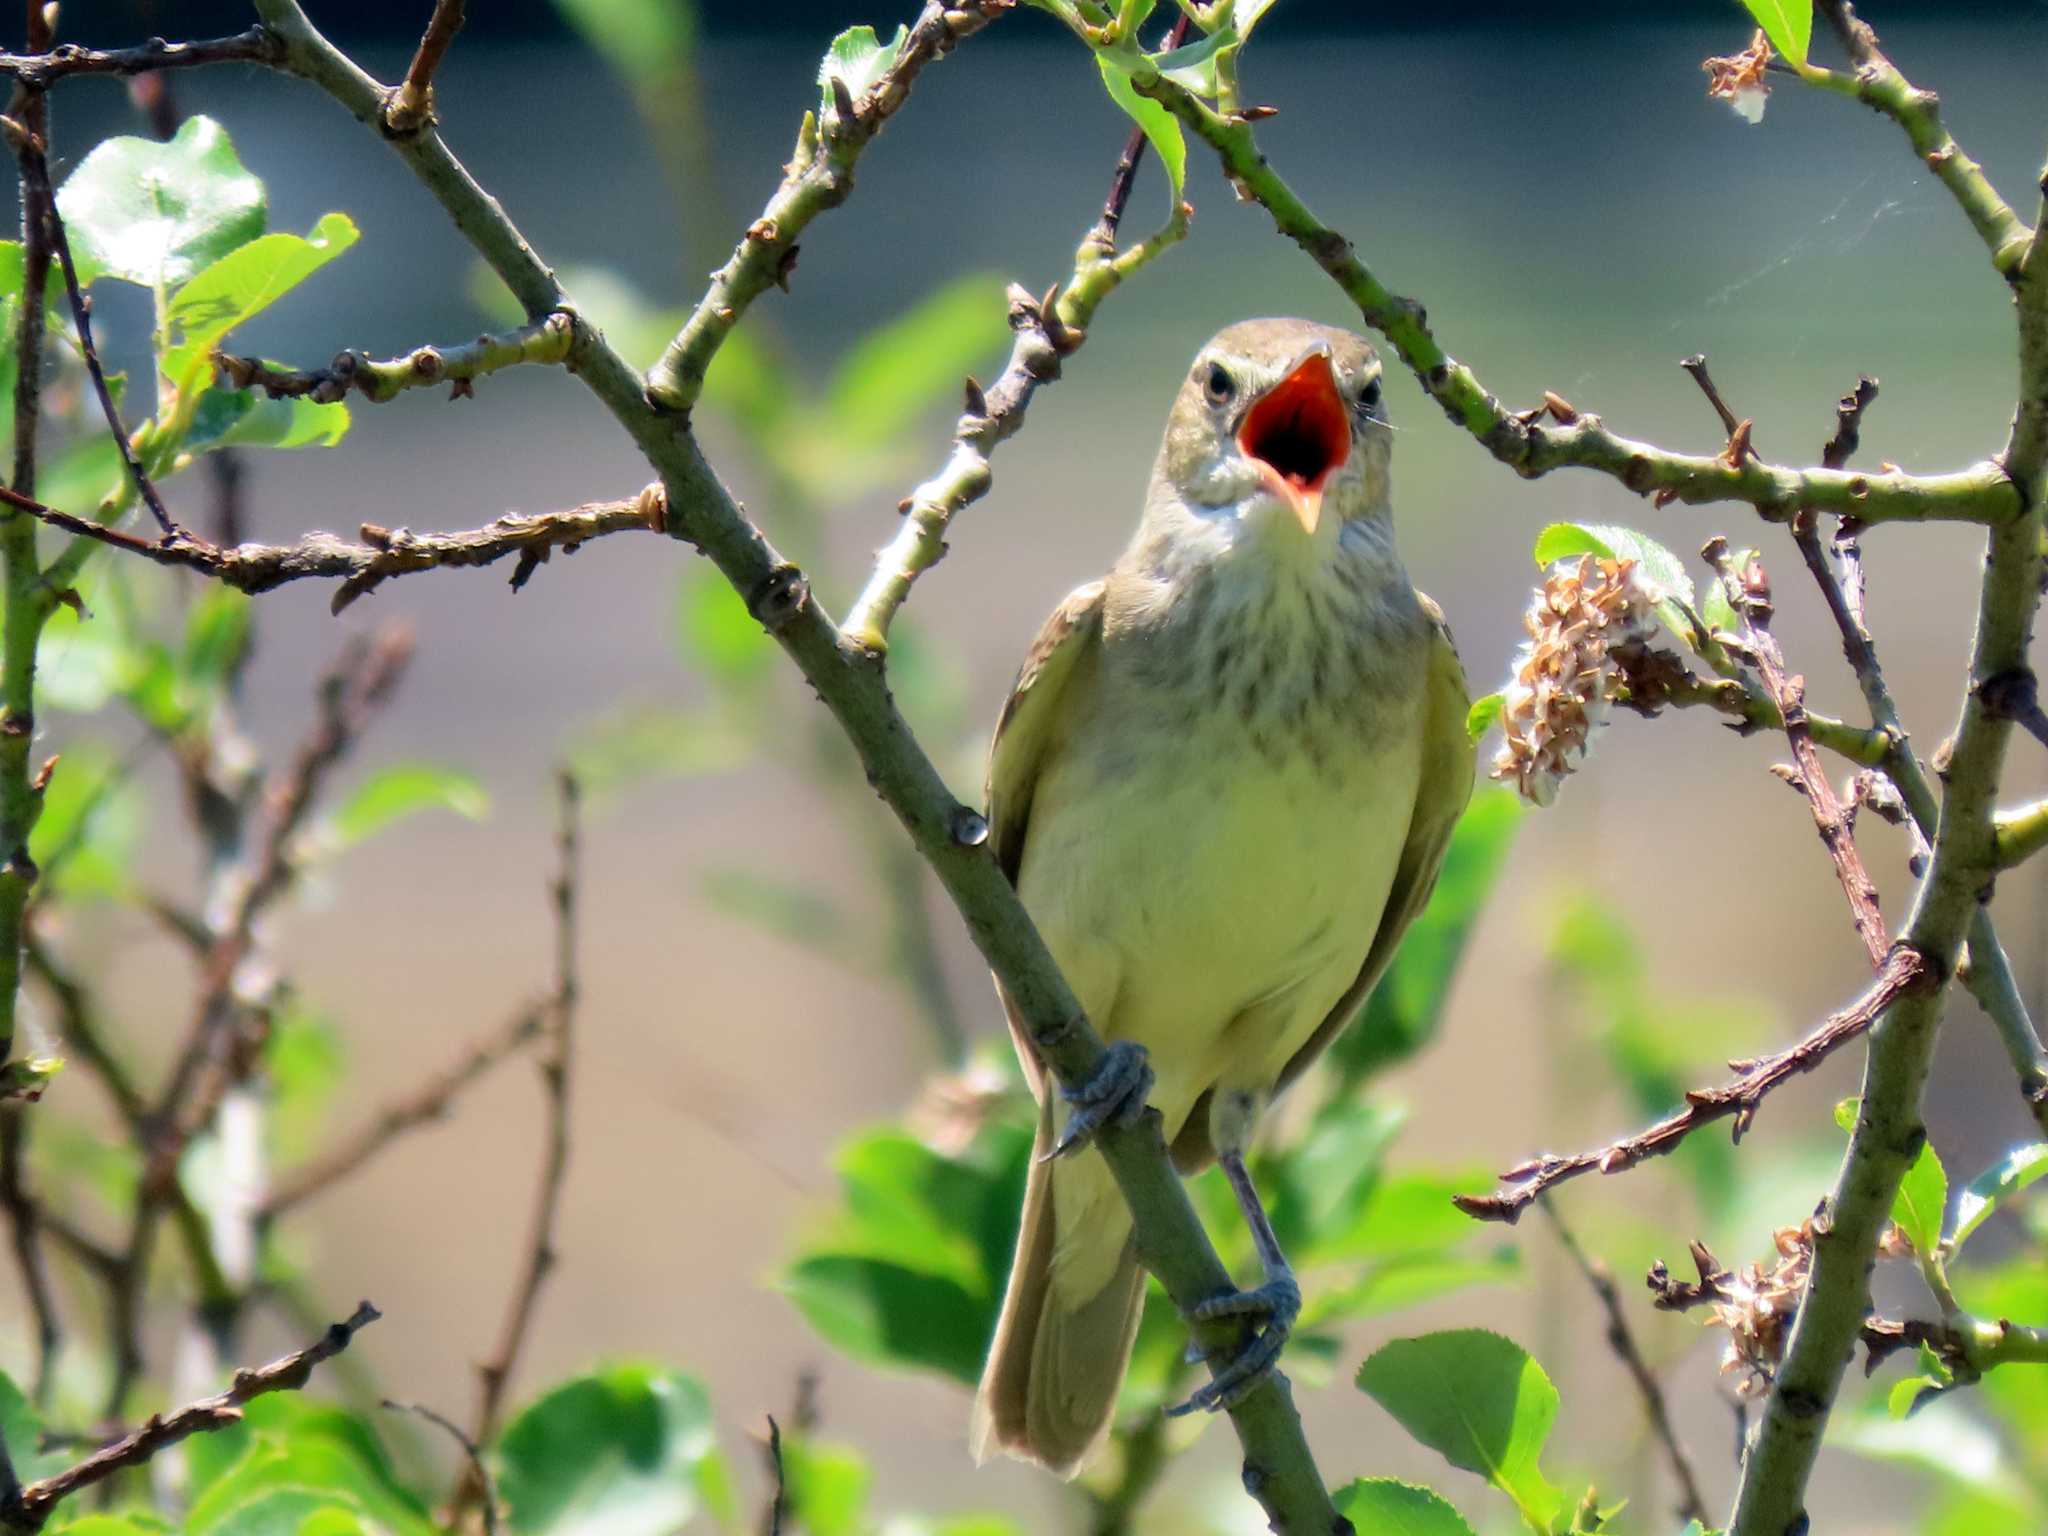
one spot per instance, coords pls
(1069, 1316)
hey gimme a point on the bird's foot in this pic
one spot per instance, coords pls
(1114, 1094)
(1278, 1303)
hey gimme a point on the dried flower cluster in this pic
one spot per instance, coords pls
(1565, 676)
(1756, 1306)
(1739, 79)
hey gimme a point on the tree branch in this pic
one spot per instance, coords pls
(25, 1225)
(289, 1373)
(1906, 973)
(385, 553)
(819, 176)
(38, 70)
(412, 104)
(424, 1104)
(545, 341)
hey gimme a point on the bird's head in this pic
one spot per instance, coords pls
(1281, 425)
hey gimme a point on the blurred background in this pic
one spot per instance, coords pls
(1577, 216)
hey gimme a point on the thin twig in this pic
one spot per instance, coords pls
(37, 70)
(385, 553)
(426, 1103)
(1621, 1339)
(495, 1373)
(25, 1224)
(546, 340)
(1749, 590)
(1905, 971)
(471, 1452)
(289, 1373)
(412, 104)
(778, 1497)
(35, 170)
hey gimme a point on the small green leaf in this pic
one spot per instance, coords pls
(242, 418)
(859, 58)
(22, 1427)
(827, 1488)
(406, 789)
(1162, 128)
(92, 814)
(1922, 1201)
(1383, 1504)
(1716, 611)
(1659, 567)
(1484, 714)
(1982, 1195)
(1192, 66)
(155, 213)
(241, 285)
(1479, 1401)
(628, 1450)
(717, 633)
(1787, 23)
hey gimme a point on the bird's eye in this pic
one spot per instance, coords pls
(1369, 394)
(1218, 385)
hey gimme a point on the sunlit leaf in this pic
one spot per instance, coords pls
(155, 213)
(715, 631)
(1479, 1401)
(1383, 1504)
(1787, 23)
(1923, 1192)
(301, 1459)
(827, 1487)
(244, 283)
(916, 360)
(405, 789)
(1162, 128)
(246, 418)
(91, 815)
(860, 59)
(628, 1450)
(1983, 1194)
(1658, 566)
(1484, 714)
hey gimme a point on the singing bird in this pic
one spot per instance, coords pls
(1222, 785)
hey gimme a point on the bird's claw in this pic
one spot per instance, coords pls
(1114, 1094)
(1278, 1302)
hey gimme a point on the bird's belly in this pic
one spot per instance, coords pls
(1213, 901)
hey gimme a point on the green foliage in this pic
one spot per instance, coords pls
(1383, 1504)
(243, 418)
(1983, 1195)
(1923, 1192)
(627, 1450)
(392, 794)
(242, 284)
(1787, 23)
(1162, 129)
(642, 39)
(1664, 571)
(155, 213)
(858, 59)
(1479, 1401)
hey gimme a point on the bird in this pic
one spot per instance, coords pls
(1222, 785)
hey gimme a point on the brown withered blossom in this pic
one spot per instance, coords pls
(1739, 78)
(1565, 675)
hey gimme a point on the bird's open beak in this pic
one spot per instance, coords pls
(1300, 434)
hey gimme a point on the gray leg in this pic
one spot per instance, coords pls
(1114, 1094)
(1277, 1302)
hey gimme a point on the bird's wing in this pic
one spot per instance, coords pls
(1028, 732)
(1448, 759)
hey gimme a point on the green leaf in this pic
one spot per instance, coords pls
(303, 1458)
(1484, 714)
(627, 1450)
(911, 363)
(1401, 1015)
(1162, 128)
(1385, 1505)
(155, 213)
(1923, 1199)
(216, 634)
(1787, 23)
(243, 418)
(140, 1523)
(241, 285)
(92, 813)
(644, 41)
(1390, 1285)
(405, 789)
(1983, 1194)
(1479, 1401)
(716, 633)
(860, 59)
(1658, 566)
(23, 1428)
(1715, 609)
(827, 1488)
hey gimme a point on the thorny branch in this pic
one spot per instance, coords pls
(545, 341)
(289, 1373)
(1622, 1340)
(384, 553)
(1905, 972)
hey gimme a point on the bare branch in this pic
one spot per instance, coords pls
(424, 1104)
(25, 1224)
(471, 1452)
(1622, 1340)
(1905, 972)
(36, 71)
(412, 104)
(384, 553)
(289, 1373)
(546, 340)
